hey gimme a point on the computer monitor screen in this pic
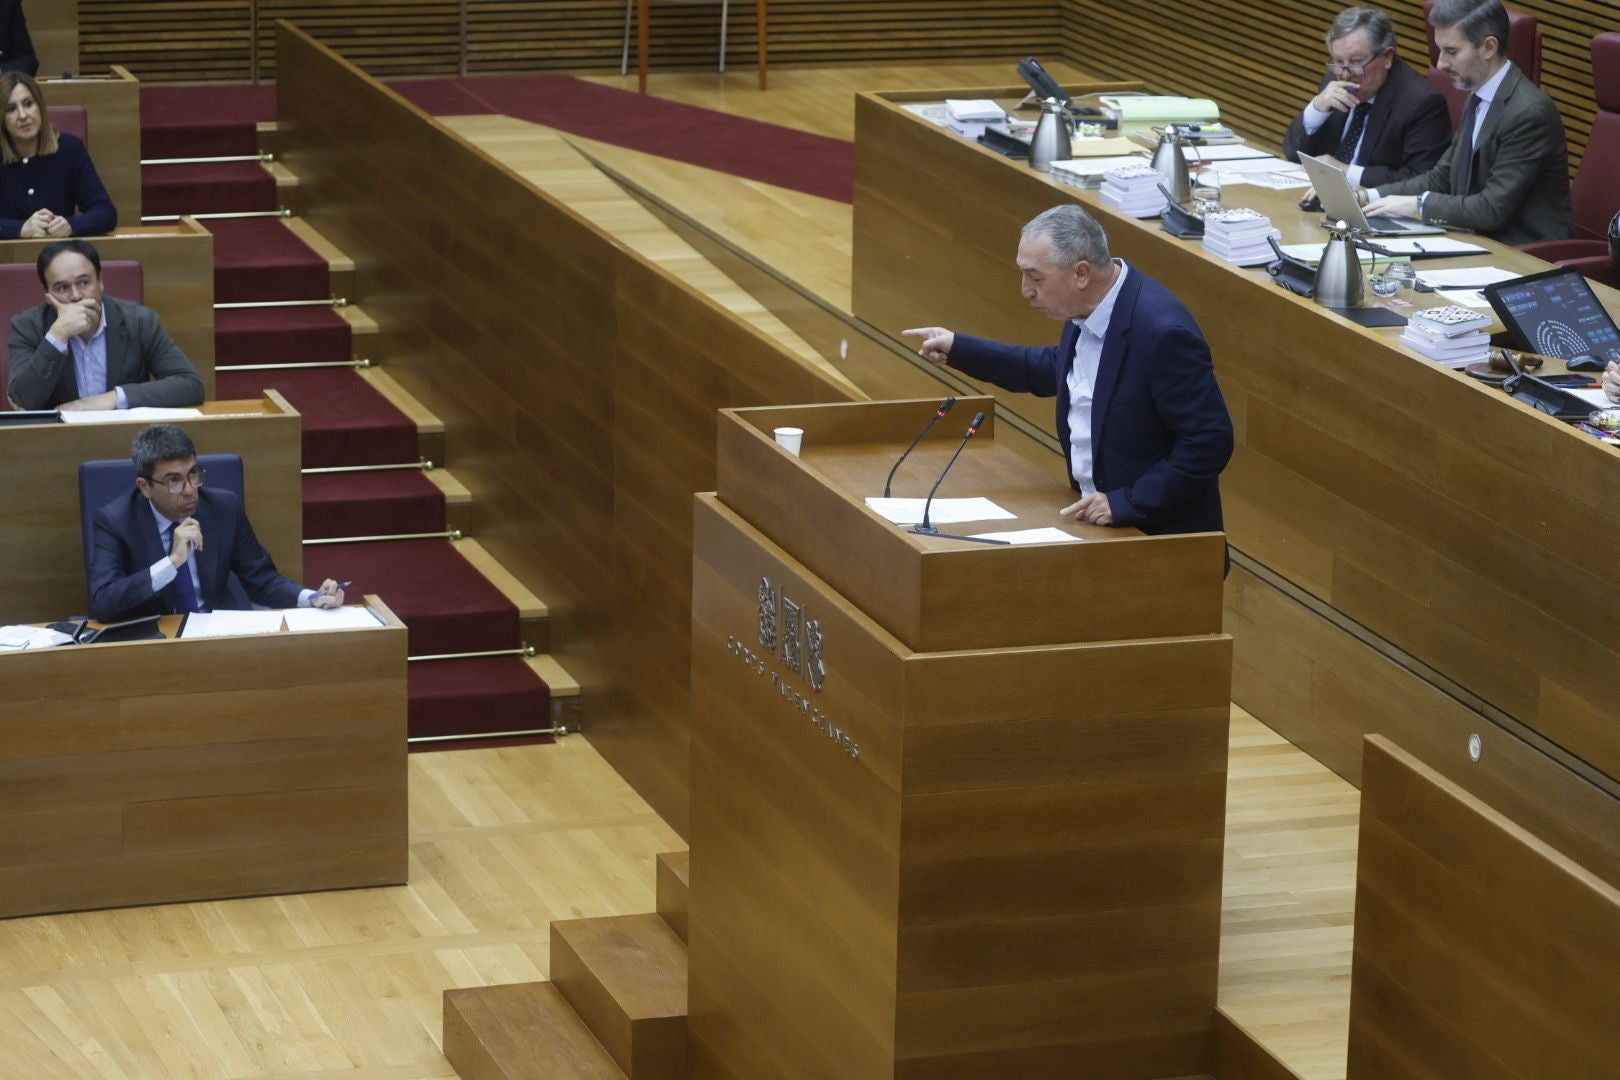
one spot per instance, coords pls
(1555, 313)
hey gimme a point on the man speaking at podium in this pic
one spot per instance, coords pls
(1138, 409)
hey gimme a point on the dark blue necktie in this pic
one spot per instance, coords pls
(1462, 166)
(1352, 133)
(183, 588)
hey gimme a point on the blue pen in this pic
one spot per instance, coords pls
(1417, 246)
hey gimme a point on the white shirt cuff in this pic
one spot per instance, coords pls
(1351, 172)
(123, 402)
(163, 572)
(1314, 119)
(59, 346)
(1372, 195)
(305, 596)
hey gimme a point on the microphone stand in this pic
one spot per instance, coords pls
(943, 408)
(925, 527)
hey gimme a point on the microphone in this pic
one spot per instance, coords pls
(926, 528)
(944, 407)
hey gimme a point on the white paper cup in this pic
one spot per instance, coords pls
(790, 439)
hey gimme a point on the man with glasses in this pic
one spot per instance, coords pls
(1372, 115)
(82, 349)
(170, 544)
(1506, 173)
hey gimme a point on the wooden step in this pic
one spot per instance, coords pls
(674, 872)
(562, 684)
(521, 1031)
(429, 428)
(534, 620)
(626, 977)
(340, 267)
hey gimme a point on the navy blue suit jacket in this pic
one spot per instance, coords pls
(126, 545)
(1160, 432)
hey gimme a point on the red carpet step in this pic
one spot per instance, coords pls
(346, 422)
(281, 336)
(461, 697)
(203, 121)
(262, 259)
(448, 606)
(231, 187)
(371, 504)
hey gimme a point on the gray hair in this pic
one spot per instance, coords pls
(160, 442)
(1075, 235)
(1380, 28)
(1478, 20)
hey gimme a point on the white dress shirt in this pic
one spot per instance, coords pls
(1083, 382)
(90, 362)
(1314, 118)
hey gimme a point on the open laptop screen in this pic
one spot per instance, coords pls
(1555, 313)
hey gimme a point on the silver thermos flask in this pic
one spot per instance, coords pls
(1338, 275)
(1170, 163)
(1054, 137)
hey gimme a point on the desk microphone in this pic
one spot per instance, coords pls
(944, 407)
(928, 529)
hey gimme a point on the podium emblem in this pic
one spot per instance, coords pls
(767, 615)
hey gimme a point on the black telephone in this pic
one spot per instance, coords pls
(1289, 272)
(1041, 83)
(1177, 221)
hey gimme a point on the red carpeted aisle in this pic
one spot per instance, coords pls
(446, 604)
(752, 149)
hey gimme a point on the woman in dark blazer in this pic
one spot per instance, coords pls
(48, 185)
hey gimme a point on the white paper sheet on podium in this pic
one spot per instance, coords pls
(1046, 535)
(943, 512)
(31, 637)
(203, 624)
(150, 414)
(350, 617)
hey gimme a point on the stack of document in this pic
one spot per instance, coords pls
(1133, 190)
(1451, 335)
(1240, 236)
(969, 117)
(1090, 172)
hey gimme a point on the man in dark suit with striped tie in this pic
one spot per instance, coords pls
(1506, 172)
(1373, 115)
(170, 545)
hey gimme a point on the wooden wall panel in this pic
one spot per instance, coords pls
(1479, 950)
(578, 385)
(53, 27)
(1261, 59)
(429, 37)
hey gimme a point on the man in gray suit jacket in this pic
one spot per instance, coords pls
(1506, 172)
(82, 349)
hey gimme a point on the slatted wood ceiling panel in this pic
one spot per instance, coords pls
(1261, 58)
(208, 39)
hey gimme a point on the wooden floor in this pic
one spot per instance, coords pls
(504, 841)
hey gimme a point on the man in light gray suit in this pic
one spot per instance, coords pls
(82, 349)
(1506, 172)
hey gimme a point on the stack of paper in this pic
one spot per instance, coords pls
(1133, 190)
(1451, 335)
(969, 117)
(1091, 172)
(1239, 236)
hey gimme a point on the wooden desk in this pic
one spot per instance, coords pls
(177, 265)
(154, 772)
(1398, 504)
(53, 26)
(112, 104)
(41, 546)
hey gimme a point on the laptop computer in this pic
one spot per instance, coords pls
(1339, 202)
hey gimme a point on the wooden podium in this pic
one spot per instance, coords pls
(957, 810)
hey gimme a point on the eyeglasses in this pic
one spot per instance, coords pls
(1353, 69)
(175, 483)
